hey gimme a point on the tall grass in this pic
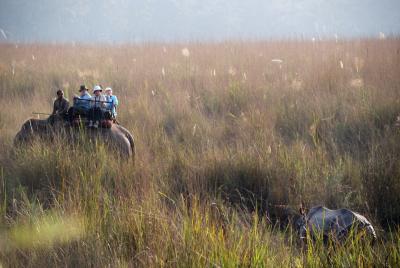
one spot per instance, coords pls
(222, 135)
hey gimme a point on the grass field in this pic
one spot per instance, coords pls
(223, 133)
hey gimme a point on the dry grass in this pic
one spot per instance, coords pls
(222, 131)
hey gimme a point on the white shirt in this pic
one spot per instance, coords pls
(96, 101)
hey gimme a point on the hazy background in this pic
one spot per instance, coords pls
(182, 20)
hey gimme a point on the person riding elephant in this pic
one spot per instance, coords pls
(112, 102)
(60, 108)
(81, 104)
(97, 107)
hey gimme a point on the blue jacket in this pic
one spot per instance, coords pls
(112, 105)
(85, 105)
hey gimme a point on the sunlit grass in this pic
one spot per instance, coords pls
(45, 232)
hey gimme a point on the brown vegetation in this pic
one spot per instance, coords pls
(222, 131)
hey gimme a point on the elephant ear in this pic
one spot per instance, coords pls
(29, 129)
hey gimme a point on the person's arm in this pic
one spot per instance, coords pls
(103, 103)
(65, 106)
(92, 102)
(115, 101)
(54, 108)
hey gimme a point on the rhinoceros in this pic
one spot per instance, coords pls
(338, 224)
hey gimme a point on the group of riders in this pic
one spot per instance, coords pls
(96, 108)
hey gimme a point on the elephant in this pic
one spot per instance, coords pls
(116, 137)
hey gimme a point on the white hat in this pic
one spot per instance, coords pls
(108, 89)
(97, 88)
